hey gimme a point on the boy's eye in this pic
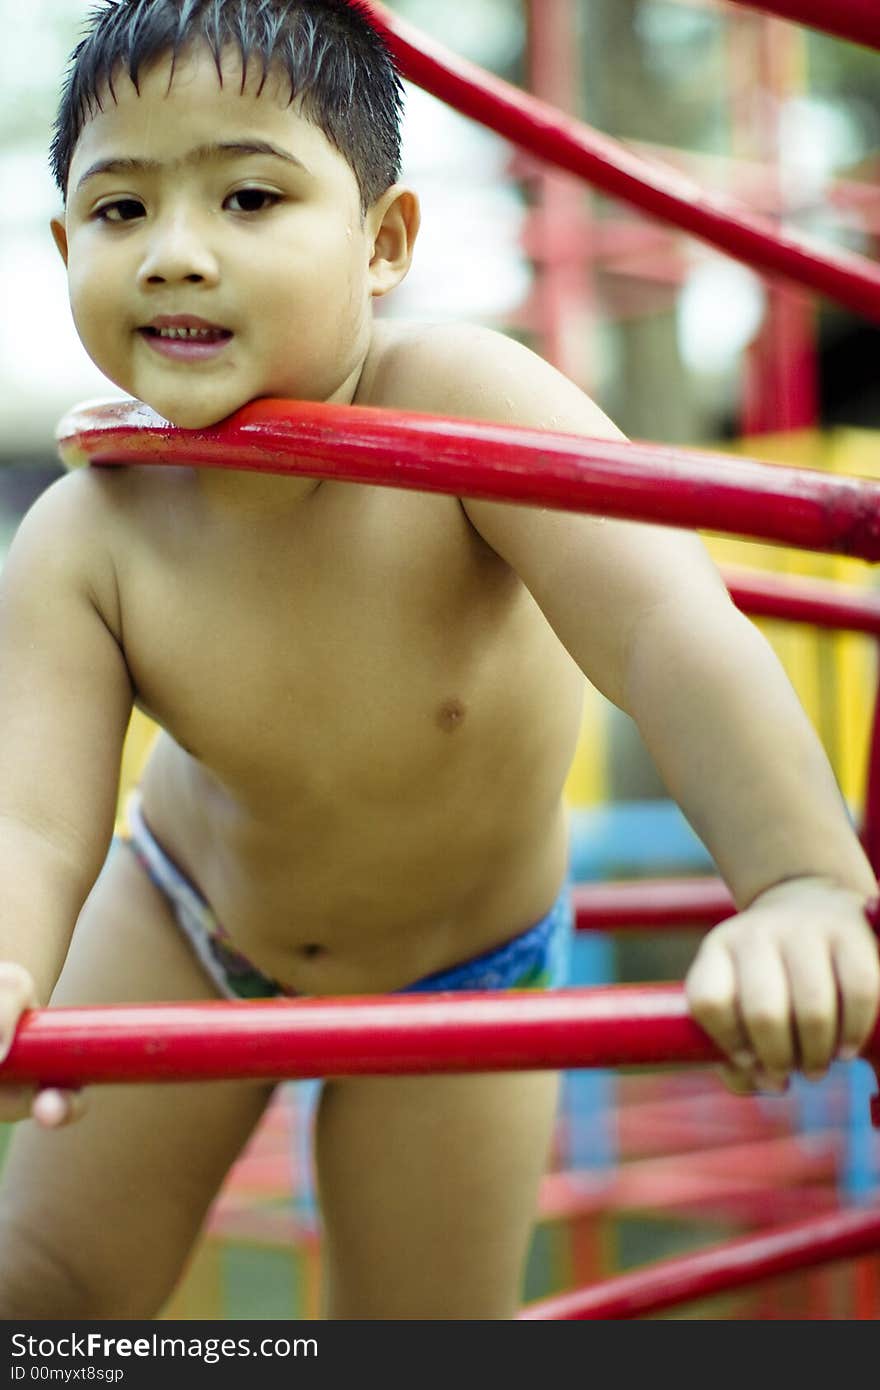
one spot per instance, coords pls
(248, 195)
(123, 203)
(126, 209)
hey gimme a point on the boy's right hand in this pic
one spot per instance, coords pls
(50, 1108)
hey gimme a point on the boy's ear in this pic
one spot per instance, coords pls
(394, 220)
(59, 233)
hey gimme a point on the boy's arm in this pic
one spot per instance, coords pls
(645, 614)
(65, 701)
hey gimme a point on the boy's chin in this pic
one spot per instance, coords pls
(193, 420)
(191, 417)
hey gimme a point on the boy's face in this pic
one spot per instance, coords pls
(273, 250)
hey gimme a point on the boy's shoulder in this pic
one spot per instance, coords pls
(473, 372)
(427, 366)
(77, 530)
(87, 505)
(69, 537)
(72, 511)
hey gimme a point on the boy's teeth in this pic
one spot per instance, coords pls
(188, 332)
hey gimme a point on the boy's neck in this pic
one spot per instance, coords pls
(249, 496)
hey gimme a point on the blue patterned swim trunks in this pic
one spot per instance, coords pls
(536, 959)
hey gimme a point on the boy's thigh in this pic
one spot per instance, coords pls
(101, 1214)
(429, 1190)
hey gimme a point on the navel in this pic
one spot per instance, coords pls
(312, 950)
(451, 715)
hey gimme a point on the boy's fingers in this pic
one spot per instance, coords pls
(742, 1083)
(813, 1006)
(52, 1109)
(765, 1006)
(857, 965)
(710, 989)
(746, 1082)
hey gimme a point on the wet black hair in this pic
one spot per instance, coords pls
(339, 66)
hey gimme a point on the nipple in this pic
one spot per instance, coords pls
(312, 949)
(450, 715)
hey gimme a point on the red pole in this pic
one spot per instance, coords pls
(857, 20)
(734, 1265)
(613, 1026)
(562, 301)
(649, 904)
(470, 458)
(781, 376)
(792, 598)
(538, 127)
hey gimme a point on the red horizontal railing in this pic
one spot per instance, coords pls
(857, 20)
(618, 1025)
(473, 458)
(736, 1264)
(792, 598)
(608, 165)
(651, 904)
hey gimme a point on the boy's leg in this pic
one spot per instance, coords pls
(428, 1190)
(97, 1219)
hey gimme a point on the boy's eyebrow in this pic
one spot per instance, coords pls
(229, 149)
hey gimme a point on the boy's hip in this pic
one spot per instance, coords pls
(536, 958)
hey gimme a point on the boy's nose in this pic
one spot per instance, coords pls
(178, 254)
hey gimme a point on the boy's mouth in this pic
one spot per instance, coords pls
(186, 343)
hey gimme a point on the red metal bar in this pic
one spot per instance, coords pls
(791, 598)
(662, 192)
(560, 306)
(648, 904)
(780, 370)
(396, 1034)
(469, 458)
(734, 1265)
(857, 20)
(781, 379)
(756, 183)
(618, 1025)
(659, 250)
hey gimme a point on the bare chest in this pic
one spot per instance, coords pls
(372, 632)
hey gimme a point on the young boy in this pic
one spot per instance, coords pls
(370, 699)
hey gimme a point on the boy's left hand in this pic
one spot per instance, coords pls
(789, 984)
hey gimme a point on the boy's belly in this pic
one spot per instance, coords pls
(347, 893)
(370, 724)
